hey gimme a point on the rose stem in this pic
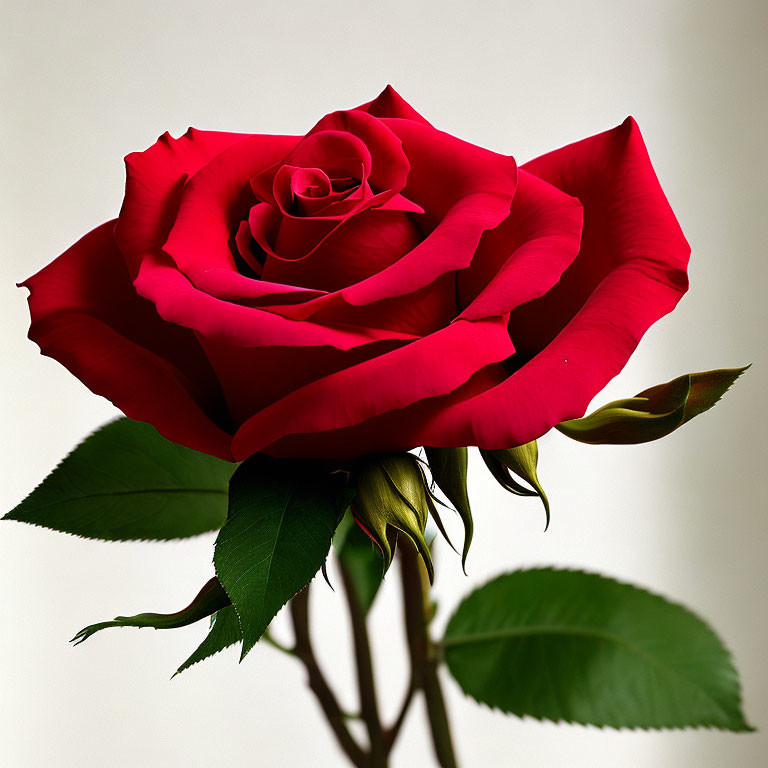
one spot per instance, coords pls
(424, 661)
(365, 680)
(317, 682)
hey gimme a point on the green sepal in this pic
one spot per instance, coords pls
(210, 599)
(654, 412)
(392, 496)
(449, 471)
(126, 482)
(224, 631)
(523, 461)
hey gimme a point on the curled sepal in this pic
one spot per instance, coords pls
(654, 412)
(210, 599)
(391, 498)
(449, 471)
(523, 461)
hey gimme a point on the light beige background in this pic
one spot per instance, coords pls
(84, 83)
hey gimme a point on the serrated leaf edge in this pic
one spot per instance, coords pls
(747, 728)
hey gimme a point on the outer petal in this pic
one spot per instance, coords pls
(215, 200)
(430, 367)
(389, 103)
(630, 272)
(153, 187)
(397, 430)
(86, 315)
(524, 256)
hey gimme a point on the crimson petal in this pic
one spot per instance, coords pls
(86, 314)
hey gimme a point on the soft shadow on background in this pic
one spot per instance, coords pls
(84, 83)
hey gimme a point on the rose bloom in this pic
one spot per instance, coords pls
(373, 285)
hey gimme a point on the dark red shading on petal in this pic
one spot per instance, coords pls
(253, 379)
(179, 301)
(526, 254)
(154, 180)
(389, 103)
(389, 163)
(465, 190)
(398, 430)
(215, 200)
(429, 367)
(335, 152)
(86, 314)
(631, 271)
(361, 247)
(421, 312)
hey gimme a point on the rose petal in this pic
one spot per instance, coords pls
(154, 179)
(524, 256)
(179, 301)
(363, 246)
(252, 379)
(333, 151)
(86, 315)
(388, 432)
(389, 103)
(389, 166)
(465, 197)
(215, 200)
(427, 368)
(630, 272)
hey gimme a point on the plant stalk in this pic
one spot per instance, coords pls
(365, 679)
(318, 684)
(424, 661)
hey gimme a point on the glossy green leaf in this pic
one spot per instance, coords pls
(654, 412)
(127, 482)
(210, 599)
(360, 558)
(449, 471)
(224, 631)
(523, 461)
(282, 515)
(578, 647)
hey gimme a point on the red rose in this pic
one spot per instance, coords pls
(373, 285)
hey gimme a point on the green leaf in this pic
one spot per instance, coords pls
(282, 515)
(210, 599)
(360, 558)
(127, 482)
(224, 631)
(654, 412)
(449, 471)
(574, 646)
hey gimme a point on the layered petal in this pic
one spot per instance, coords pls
(465, 191)
(154, 181)
(86, 314)
(365, 245)
(389, 103)
(631, 270)
(433, 366)
(215, 200)
(179, 301)
(526, 254)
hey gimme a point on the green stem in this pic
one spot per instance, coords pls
(365, 679)
(424, 661)
(317, 682)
